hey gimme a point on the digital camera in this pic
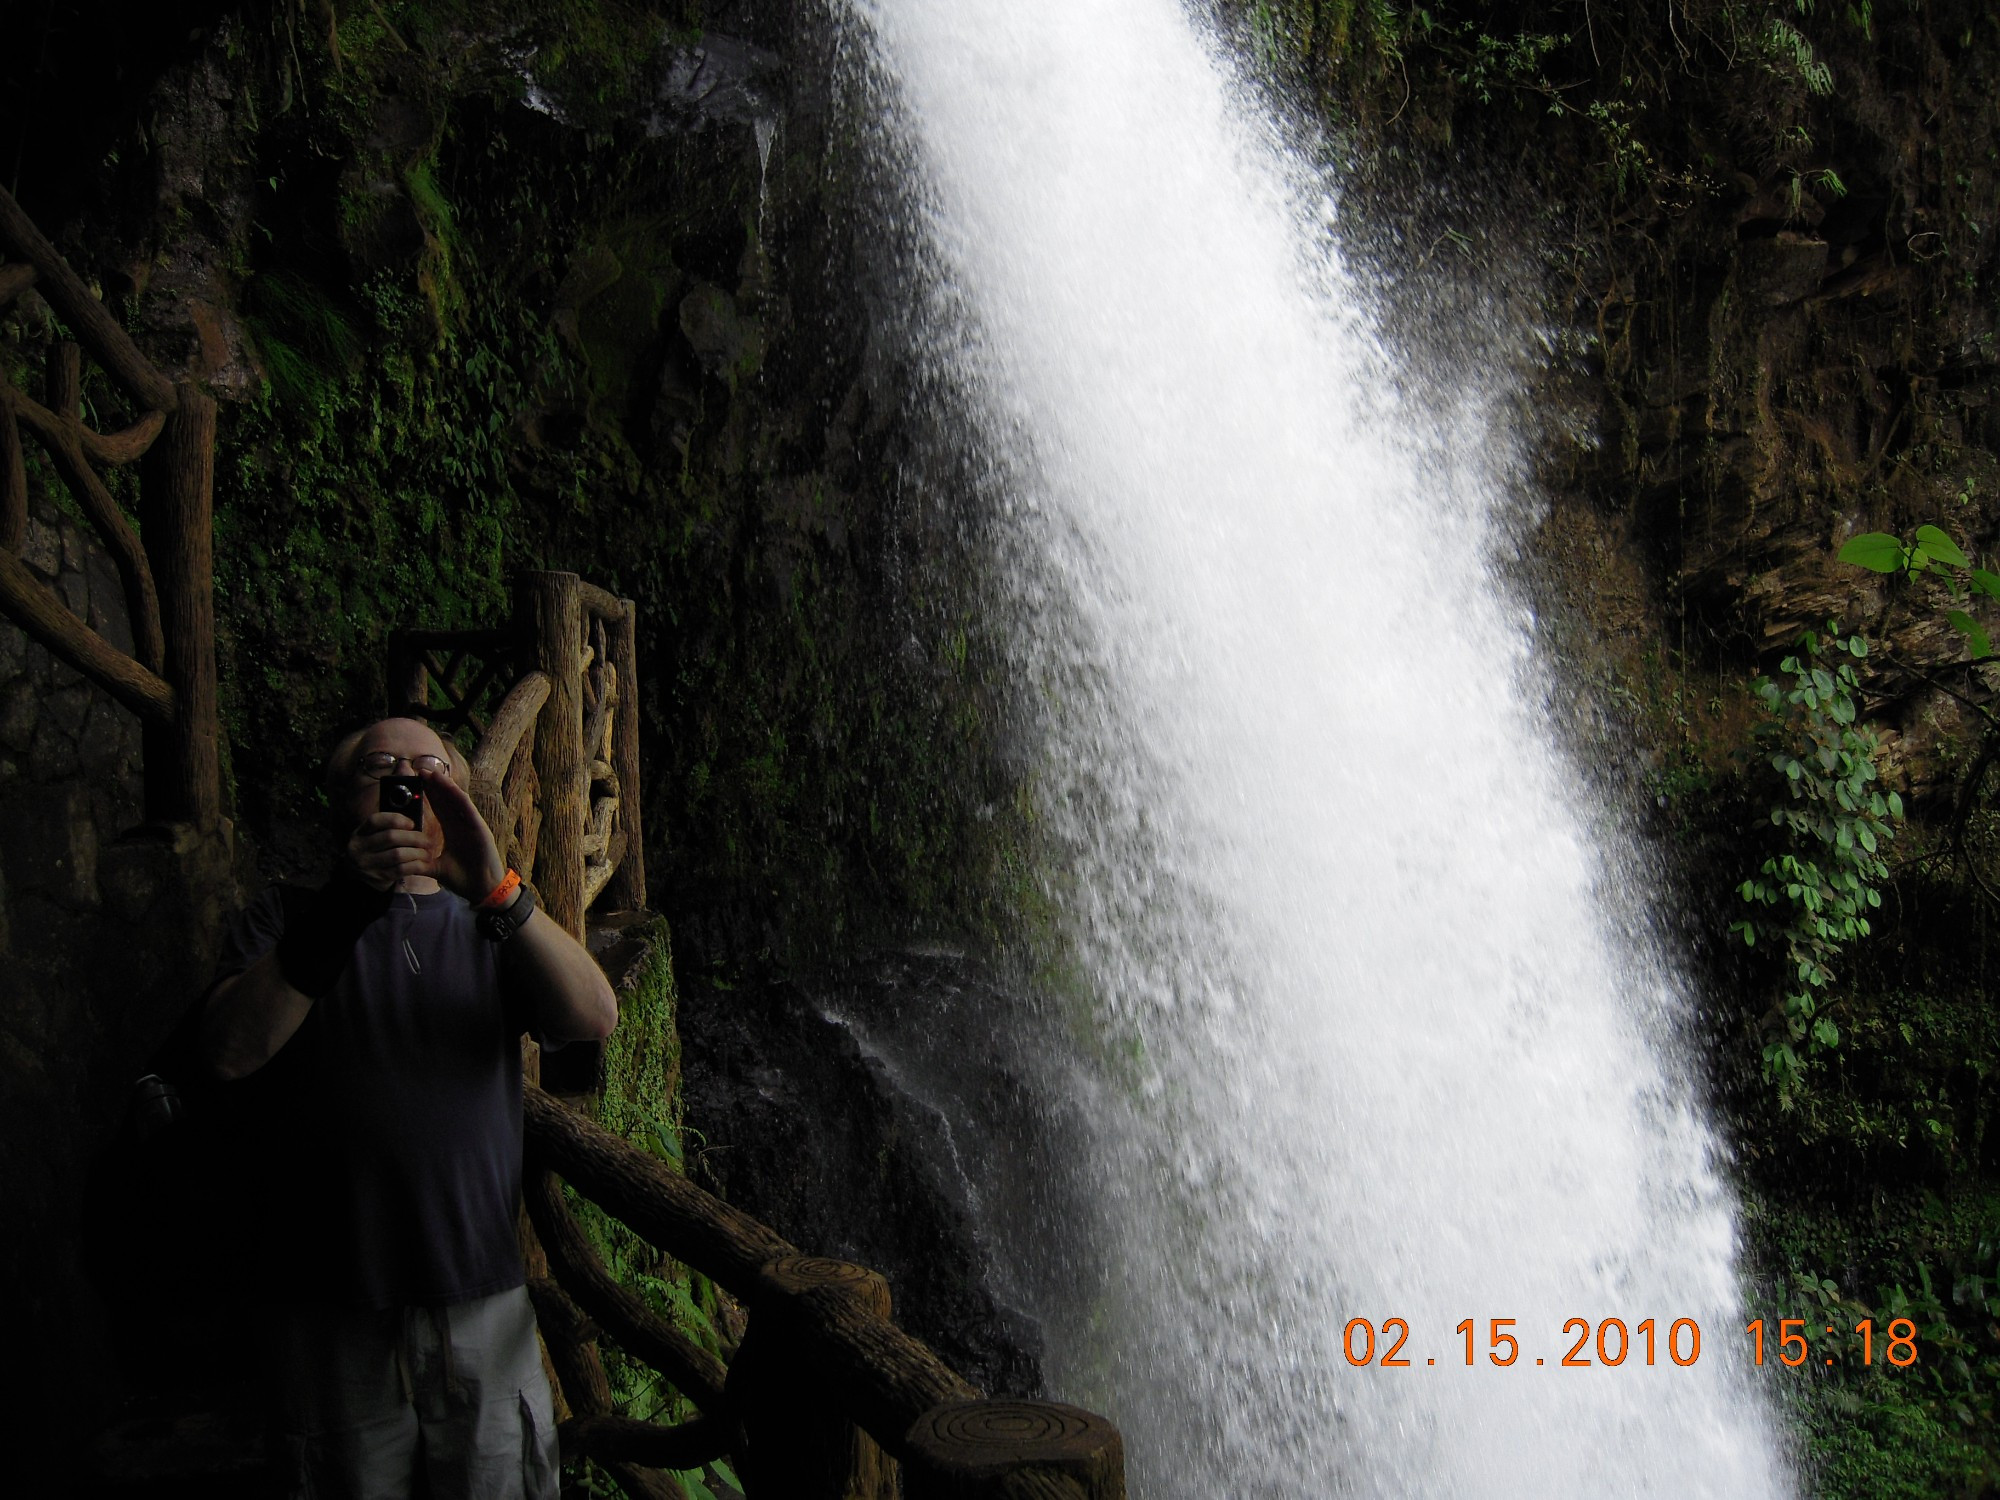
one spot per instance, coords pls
(405, 795)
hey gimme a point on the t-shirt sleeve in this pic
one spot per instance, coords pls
(254, 933)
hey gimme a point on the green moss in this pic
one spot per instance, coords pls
(360, 492)
(642, 1060)
(309, 344)
(641, 1103)
(434, 277)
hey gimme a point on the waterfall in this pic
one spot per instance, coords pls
(1353, 1011)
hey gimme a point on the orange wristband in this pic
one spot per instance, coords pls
(502, 891)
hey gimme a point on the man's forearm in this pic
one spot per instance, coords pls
(567, 993)
(249, 1016)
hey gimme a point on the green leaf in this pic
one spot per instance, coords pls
(1972, 630)
(1826, 1033)
(1876, 551)
(1987, 583)
(1940, 546)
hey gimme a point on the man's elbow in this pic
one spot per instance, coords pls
(591, 1019)
(225, 1069)
(604, 1018)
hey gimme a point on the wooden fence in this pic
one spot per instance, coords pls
(826, 1398)
(168, 679)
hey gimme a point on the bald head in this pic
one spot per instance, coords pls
(399, 735)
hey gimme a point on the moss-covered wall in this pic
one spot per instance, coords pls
(487, 287)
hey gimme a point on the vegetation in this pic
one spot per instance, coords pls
(642, 1103)
(1822, 881)
(487, 338)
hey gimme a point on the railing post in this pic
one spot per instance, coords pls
(176, 496)
(409, 682)
(548, 623)
(971, 1449)
(568, 1341)
(799, 1446)
(627, 891)
(549, 611)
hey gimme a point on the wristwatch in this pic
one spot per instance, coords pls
(498, 926)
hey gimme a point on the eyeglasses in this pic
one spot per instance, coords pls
(380, 763)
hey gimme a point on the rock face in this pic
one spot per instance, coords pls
(796, 1116)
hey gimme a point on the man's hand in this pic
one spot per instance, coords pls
(468, 862)
(387, 848)
(454, 847)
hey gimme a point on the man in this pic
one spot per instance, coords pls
(382, 1017)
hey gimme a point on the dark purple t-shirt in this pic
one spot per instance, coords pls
(397, 1128)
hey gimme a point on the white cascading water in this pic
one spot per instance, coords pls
(1366, 1022)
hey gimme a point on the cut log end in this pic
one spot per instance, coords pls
(981, 1447)
(793, 1275)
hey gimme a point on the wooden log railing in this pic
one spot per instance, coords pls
(826, 1397)
(168, 679)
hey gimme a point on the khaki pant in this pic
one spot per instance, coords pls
(445, 1402)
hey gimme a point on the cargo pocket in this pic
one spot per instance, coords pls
(541, 1469)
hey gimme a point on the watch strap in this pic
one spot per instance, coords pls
(500, 893)
(496, 926)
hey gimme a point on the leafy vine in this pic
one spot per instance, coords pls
(1812, 896)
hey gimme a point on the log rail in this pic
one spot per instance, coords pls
(165, 567)
(824, 1391)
